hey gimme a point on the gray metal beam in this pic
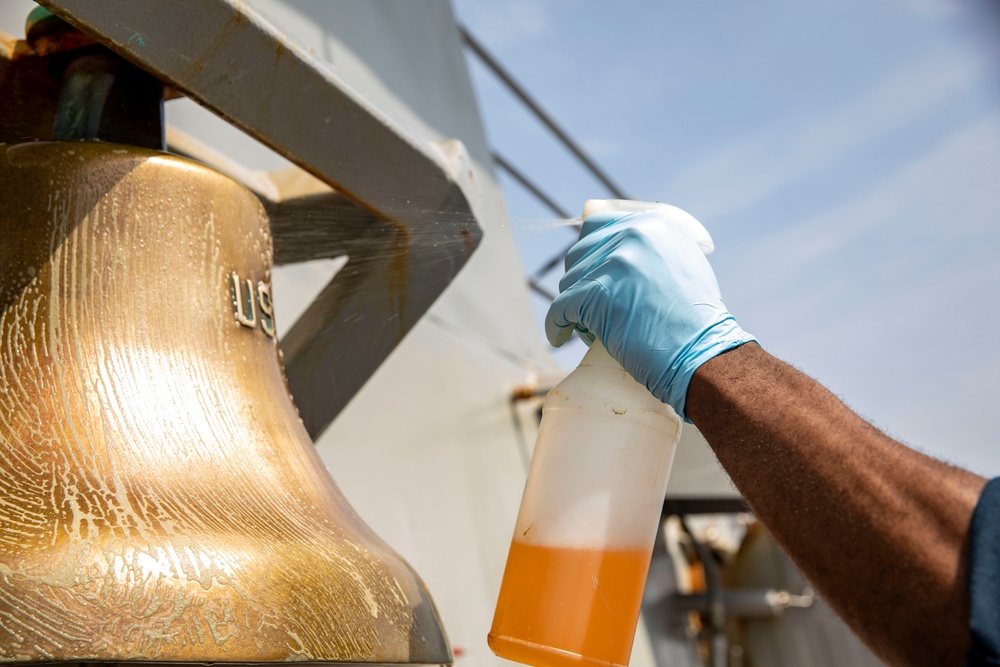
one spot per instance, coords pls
(229, 59)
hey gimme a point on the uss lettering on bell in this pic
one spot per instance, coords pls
(161, 499)
(253, 305)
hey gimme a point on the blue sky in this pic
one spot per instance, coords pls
(844, 155)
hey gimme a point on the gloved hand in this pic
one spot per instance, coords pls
(641, 285)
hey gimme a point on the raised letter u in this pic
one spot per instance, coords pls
(241, 305)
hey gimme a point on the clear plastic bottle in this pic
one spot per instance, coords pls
(577, 565)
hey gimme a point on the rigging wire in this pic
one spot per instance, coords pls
(505, 77)
(532, 187)
(494, 66)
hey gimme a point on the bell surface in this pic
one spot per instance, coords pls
(160, 499)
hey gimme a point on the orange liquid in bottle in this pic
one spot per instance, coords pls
(563, 607)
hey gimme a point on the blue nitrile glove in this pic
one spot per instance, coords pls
(640, 283)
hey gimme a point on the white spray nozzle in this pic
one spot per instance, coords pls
(685, 219)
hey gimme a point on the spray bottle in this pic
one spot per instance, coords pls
(584, 535)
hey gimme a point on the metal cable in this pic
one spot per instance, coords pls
(494, 66)
(530, 186)
(502, 74)
(541, 291)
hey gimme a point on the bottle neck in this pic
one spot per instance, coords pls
(598, 357)
(600, 383)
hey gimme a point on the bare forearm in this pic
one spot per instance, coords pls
(879, 529)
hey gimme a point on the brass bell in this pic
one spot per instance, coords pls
(160, 499)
